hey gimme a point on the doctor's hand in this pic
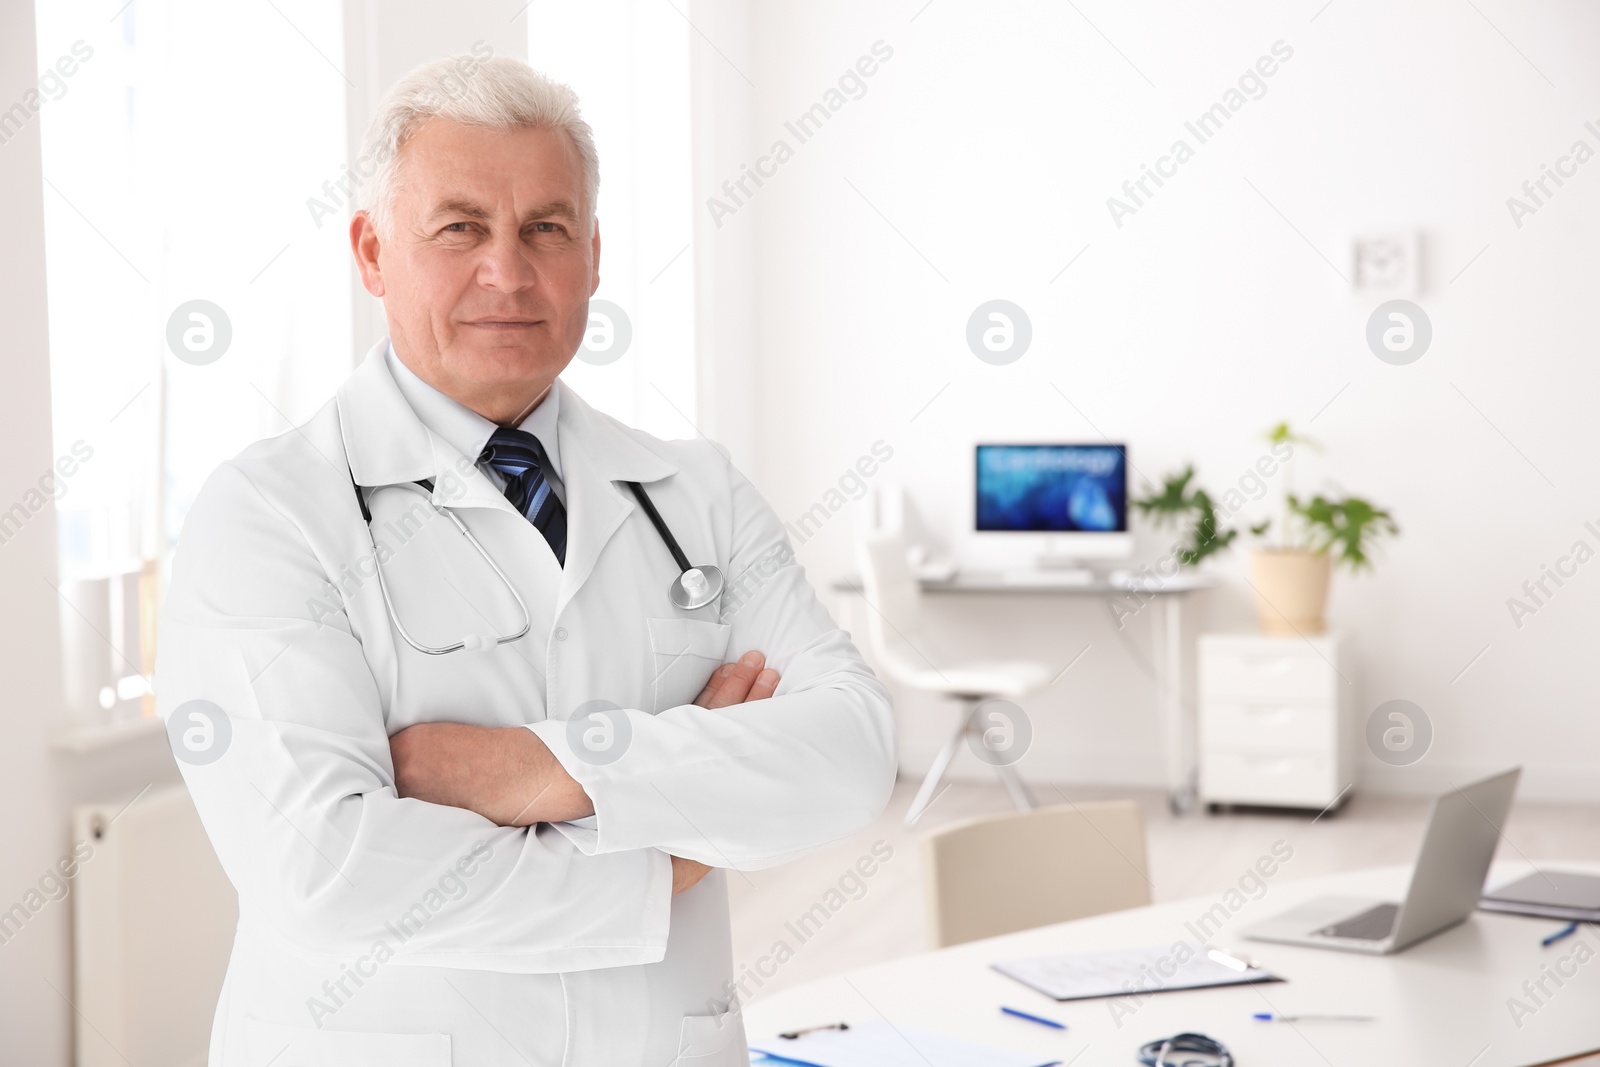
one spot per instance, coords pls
(507, 775)
(739, 683)
(686, 874)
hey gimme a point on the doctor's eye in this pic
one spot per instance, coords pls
(547, 228)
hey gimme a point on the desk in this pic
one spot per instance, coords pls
(1440, 1002)
(1131, 594)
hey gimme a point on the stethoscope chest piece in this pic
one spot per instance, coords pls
(696, 587)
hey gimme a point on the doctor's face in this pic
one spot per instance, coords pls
(487, 274)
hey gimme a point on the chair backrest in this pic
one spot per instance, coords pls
(1017, 871)
(894, 601)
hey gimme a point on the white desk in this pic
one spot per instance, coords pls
(1441, 1002)
(1166, 642)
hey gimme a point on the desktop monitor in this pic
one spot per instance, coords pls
(1056, 502)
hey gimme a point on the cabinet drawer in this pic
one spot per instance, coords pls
(1267, 673)
(1292, 779)
(1268, 725)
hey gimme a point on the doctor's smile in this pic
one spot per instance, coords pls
(543, 676)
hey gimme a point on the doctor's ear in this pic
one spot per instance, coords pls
(364, 245)
(594, 257)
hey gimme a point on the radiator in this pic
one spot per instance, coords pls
(153, 923)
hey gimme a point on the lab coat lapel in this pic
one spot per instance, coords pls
(387, 444)
(597, 455)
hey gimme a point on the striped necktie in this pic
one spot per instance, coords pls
(521, 458)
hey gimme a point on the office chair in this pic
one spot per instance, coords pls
(1003, 873)
(894, 610)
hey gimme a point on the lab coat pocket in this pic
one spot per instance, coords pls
(713, 1041)
(686, 652)
(298, 1046)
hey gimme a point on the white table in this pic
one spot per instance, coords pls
(1441, 1002)
(1166, 643)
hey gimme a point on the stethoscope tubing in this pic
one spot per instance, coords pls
(660, 524)
(425, 486)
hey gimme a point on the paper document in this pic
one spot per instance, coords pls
(877, 1044)
(1181, 965)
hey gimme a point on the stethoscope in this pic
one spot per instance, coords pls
(694, 587)
(1205, 1051)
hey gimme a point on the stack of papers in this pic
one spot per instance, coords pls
(877, 1044)
(1121, 972)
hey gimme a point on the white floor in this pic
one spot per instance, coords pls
(867, 920)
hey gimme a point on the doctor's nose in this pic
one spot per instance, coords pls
(507, 265)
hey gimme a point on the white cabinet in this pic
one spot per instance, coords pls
(1275, 720)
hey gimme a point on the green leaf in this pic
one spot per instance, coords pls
(1177, 505)
(1283, 434)
(1347, 528)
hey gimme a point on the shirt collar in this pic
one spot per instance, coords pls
(464, 429)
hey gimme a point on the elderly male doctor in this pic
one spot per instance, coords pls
(513, 852)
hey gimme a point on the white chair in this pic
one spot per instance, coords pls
(1015, 872)
(894, 611)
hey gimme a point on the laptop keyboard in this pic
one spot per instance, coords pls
(1374, 924)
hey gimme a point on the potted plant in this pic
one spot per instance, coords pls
(1291, 578)
(1185, 505)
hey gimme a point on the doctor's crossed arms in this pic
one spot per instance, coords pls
(507, 775)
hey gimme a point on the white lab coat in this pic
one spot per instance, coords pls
(379, 930)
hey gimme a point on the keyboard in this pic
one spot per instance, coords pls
(1061, 577)
(1374, 924)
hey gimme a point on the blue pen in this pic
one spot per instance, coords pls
(1041, 1020)
(1565, 931)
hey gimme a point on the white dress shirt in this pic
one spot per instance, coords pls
(468, 432)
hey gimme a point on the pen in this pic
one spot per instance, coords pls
(1041, 1020)
(1268, 1017)
(1227, 959)
(1565, 931)
(793, 1034)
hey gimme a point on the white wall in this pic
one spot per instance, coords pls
(38, 784)
(978, 165)
(34, 690)
(723, 103)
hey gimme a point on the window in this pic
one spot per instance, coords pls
(201, 292)
(195, 303)
(628, 61)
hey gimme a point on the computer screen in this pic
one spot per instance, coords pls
(1052, 488)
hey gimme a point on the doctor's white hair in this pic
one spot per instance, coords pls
(497, 92)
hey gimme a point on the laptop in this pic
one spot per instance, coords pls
(1457, 848)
